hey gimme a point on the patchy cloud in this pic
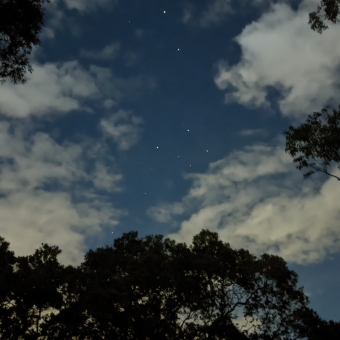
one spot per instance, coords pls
(50, 193)
(256, 199)
(51, 87)
(65, 87)
(123, 128)
(280, 50)
(109, 52)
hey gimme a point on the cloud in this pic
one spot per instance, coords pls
(88, 5)
(163, 213)
(131, 59)
(109, 52)
(64, 87)
(253, 132)
(279, 50)
(215, 13)
(139, 33)
(256, 199)
(60, 87)
(187, 13)
(54, 193)
(123, 128)
(83, 5)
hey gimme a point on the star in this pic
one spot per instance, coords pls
(157, 147)
(164, 12)
(207, 150)
(178, 49)
(188, 130)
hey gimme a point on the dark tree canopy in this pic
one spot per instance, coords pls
(154, 289)
(327, 10)
(316, 140)
(20, 24)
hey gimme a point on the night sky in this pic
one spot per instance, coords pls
(167, 117)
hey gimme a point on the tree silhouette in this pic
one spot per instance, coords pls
(20, 24)
(316, 140)
(152, 289)
(330, 10)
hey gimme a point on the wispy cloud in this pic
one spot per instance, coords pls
(215, 13)
(253, 132)
(109, 52)
(123, 128)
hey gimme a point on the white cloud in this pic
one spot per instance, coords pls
(123, 127)
(64, 87)
(29, 218)
(109, 52)
(51, 87)
(280, 50)
(256, 199)
(49, 194)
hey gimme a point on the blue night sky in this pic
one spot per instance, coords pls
(167, 117)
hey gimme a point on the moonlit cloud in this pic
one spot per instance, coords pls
(64, 87)
(280, 50)
(255, 199)
(61, 87)
(49, 193)
(123, 128)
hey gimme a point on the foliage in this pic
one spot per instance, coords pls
(315, 140)
(330, 8)
(20, 24)
(153, 289)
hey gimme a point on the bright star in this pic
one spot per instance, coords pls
(188, 130)
(157, 147)
(164, 12)
(207, 150)
(178, 49)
